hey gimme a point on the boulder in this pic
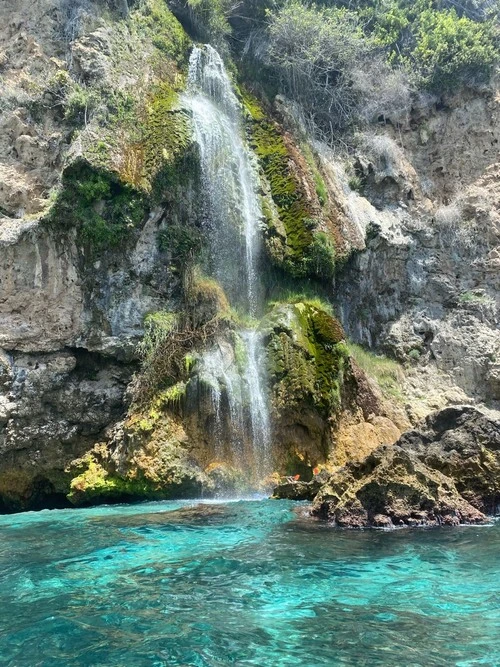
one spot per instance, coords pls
(446, 471)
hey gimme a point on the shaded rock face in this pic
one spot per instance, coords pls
(445, 472)
(53, 406)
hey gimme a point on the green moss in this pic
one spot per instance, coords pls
(292, 205)
(155, 20)
(293, 241)
(103, 210)
(95, 482)
(291, 297)
(189, 362)
(183, 241)
(319, 183)
(171, 397)
(240, 353)
(166, 138)
(320, 256)
(157, 157)
(306, 356)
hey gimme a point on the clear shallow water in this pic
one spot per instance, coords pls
(244, 583)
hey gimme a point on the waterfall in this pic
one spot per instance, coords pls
(232, 206)
(259, 413)
(232, 214)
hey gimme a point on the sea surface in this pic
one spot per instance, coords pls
(242, 583)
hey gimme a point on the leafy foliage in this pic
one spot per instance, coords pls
(452, 49)
(184, 241)
(320, 256)
(350, 62)
(103, 211)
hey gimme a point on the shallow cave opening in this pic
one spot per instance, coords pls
(89, 364)
(45, 497)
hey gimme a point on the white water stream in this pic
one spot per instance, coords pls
(232, 213)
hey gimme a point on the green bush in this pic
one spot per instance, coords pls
(444, 44)
(102, 210)
(349, 62)
(210, 18)
(80, 103)
(320, 256)
(452, 49)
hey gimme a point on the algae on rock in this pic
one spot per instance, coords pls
(297, 238)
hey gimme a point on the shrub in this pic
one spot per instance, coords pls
(184, 241)
(453, 49)
(80, 103)
(312, 50)
(209, 19)
(102, 211)
(320, 256)
(356, 61)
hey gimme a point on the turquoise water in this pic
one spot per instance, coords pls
(243, 583)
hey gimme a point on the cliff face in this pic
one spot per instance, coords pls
(72, 305)
(426, 288)
(100, 214)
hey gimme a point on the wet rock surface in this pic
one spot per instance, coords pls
(444, 472)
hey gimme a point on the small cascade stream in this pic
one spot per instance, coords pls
(231, 215)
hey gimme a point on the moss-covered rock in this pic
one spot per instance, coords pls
(149, 458)
(306, 356)
(102, 209)
(307, 364)
(296, 239)
(443, 472)
(132, 144)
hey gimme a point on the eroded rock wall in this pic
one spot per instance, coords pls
(426, 287)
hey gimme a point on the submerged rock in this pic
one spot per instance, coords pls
(444, 472)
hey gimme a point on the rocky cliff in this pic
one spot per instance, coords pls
(443, 472)
(102, 247)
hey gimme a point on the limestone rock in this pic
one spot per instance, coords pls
(463, 444)
(392, 488)
(446, 471)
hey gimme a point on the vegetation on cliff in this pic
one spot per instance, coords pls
(307, 356)
(294, 214)
(347, 63)
(132, 142)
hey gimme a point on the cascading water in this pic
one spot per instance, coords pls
(259, 413)
(232, 207)
(232, 214)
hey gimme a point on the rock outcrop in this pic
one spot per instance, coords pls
(444, 472)
(426, 287)
(102, 225)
